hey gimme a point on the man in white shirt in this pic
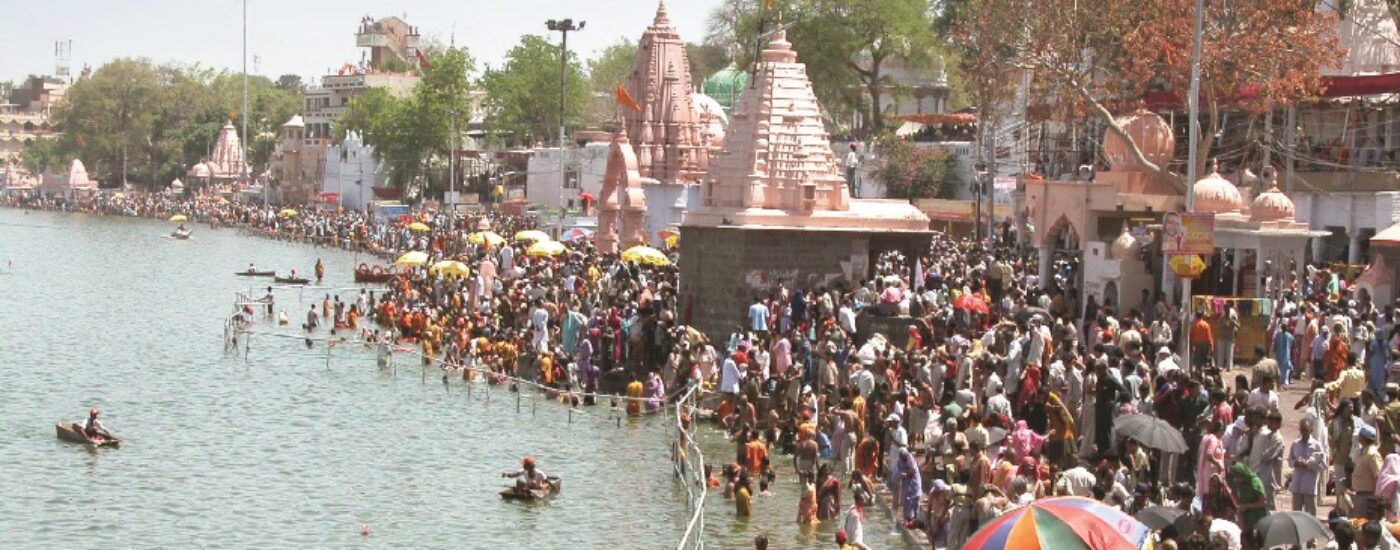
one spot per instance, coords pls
(1077, 481)
(847, 318)
(1264, 396)
(852, 165)
(730, 377)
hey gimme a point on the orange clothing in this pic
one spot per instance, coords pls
(868, 456)
(754, 453)
(1201, 332)
(634, 390)
(1334, 360)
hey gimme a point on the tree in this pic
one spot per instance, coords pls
(1102, 56)
(848, 46)
(607, 69)
(910, 172)
(290, 82)
(705, 60)
(111, 112)
(41, 155)
(522, 97)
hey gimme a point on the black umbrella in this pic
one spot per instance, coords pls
(1151, 432)
(1159, 517)
(995, 435)
(1292, 529)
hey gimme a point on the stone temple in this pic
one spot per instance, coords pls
(774, 207)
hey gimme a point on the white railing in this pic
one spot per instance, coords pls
(689, 463)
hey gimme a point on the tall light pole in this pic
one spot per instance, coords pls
(452, 179)
(1193, 107)
(564, 27)
(244, 142)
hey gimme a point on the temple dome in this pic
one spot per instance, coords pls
(1271, 205)
(199, 170)
(294, 122)
(1152, 135)
(1125, 246)
(725, 86)
(1216, 194)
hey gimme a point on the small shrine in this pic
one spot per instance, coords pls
(74, 181)
(226, 162)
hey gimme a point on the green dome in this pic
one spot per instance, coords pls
(726, 86)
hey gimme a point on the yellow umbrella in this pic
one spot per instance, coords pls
(179, 218)
(413, 258)
(450, 267)
(222, 200)
(532, 235)
(119, 196)
(673, 240)
(489, 238)
(546, 248)
(287, 213)
(418, 227)
(645, 255)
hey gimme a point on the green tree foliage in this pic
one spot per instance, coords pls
(848, 46)
(910, 172)
(290, 82)
(42, 155)
(409, 133)
(705, 60)
(607, 69)
(161, 119)
(522, 97)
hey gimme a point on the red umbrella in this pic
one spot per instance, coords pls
(586, 196)
(970, 302)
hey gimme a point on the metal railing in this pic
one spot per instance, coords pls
(689, 463)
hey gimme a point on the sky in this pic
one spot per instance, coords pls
(304, 37)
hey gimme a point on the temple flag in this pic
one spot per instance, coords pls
(625, 99)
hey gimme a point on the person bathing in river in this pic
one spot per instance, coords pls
(320, 270)
(528, 478)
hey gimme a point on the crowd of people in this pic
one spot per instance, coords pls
(1000, 388)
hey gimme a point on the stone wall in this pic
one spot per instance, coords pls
(724, 268)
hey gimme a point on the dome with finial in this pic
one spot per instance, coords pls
(1152, 135)
(1125, 246)
(1216, 194)
(1271, 205)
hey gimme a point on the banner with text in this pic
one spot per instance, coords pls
(1188, 233)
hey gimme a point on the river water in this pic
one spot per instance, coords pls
(279, 449)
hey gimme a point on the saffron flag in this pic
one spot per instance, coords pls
(422, 59)
(625, 99)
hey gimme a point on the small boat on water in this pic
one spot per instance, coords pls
(73, 432)
(291, 280)
(254, 273)
(376, 273)
(533, 495)
(181, 234)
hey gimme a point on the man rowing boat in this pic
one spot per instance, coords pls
(93, 428)
(529, 478)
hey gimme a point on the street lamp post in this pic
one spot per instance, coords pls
(452, 179)
(564, 27)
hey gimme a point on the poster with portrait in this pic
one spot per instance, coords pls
(1188, 233)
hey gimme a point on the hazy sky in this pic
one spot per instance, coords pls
(303, 37)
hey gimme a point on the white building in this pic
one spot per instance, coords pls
(351, 173)
(584, 167)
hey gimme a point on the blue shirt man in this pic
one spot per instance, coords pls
(758, 317)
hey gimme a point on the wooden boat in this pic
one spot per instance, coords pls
(366, 273)
(182, 235)
(72, 432)
(291, 280)
(510, 493)
(255, 273)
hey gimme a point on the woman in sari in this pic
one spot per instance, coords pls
(911, 486)
(1249, 495)
(1388, 487)
(1025, 442)
(1218, 501)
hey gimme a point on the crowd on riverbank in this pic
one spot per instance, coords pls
(1002, 389)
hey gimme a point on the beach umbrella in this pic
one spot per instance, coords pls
(667, 233)
(673, 240)
(221, 200)
(995, 435)
(1151, 432)
(532, 235)
(419, 227)
(546, 248)
(412, 258)
(576, 233)
(488, 238)
(646, 255)
(1159, 517)
(1062, 523)
(1292, 529)
(970, 301)
(119, 196)
(179, 218)
(450, 267)
(287, 213)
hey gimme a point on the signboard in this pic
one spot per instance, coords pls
(1188, 233)
(950, 210)
(452, 197)
(1002, 188)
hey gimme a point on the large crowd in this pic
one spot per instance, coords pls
(1000, 389)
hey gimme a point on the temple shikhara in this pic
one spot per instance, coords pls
(225, 163)
(774, 206)
(663, 148)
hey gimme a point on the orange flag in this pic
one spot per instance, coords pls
(625, 99)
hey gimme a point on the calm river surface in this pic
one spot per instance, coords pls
(278, 451)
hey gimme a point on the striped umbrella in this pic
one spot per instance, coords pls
(1065, 523)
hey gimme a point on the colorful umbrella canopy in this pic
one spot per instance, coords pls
(546, 248)
(673, 240)
(646, 255)
(970, 302)
(450, 267)
(489, 238)
(1065, 523)
(576, 233)
(412, 258)
(532, 235)
(419, 227)
(179, 218)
